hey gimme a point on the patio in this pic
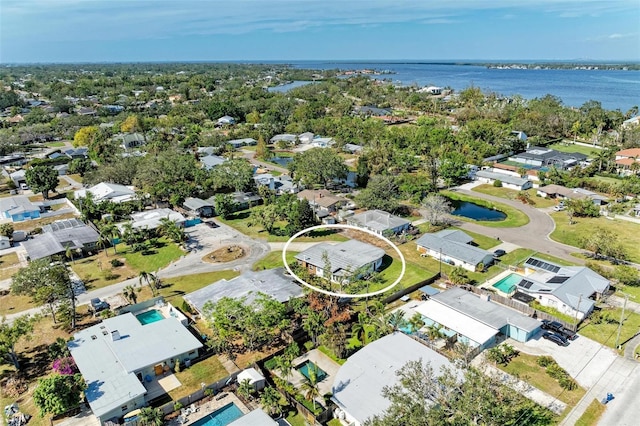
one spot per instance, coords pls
(323, 362)
(160, 385)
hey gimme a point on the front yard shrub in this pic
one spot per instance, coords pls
(567, 383)
(116, 262)
(545, 361)
(555, 371)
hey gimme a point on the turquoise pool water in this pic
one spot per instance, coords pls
(304, 370)
(508, 283)
(149, 316)
(221, 417)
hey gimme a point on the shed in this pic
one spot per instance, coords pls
(255, 378)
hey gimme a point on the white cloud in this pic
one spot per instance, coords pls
(136, 19)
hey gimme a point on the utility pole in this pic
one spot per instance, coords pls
(626, 298)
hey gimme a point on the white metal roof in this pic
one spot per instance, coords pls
(457, 321)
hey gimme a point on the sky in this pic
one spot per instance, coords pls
(287, 30)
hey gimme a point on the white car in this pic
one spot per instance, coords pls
(559, 208)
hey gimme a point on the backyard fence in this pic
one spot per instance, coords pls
(521, 307)
(398, 294)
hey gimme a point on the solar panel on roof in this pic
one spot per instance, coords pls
(525, 284)
(557, 280)
(542, 265)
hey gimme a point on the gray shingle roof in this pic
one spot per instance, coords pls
(344, 257)
(453, 247)
(196, 203)
(272, 282)
(512, 180)
(58, 236)
(378, 220)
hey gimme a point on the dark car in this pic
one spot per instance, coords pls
(555, 338)
(212, 224)
(552, 325)
(499, 253)
(99, 305)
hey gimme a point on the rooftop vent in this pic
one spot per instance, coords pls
(115, 335)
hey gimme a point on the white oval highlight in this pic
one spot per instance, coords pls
(346, 295)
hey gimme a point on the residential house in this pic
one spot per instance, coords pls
(288, 138)
(539, 157)
(633, 121)
(628, 161)
(239, 143)
(358, 385)
(19, 208)
(475, 320)
(61, 235)
(86, 111)
(306, 138)
(572, 290)
(81, 152)
(211, 161)
(61, 169)
(454, 247)
(18, 177)
(371, 111)
(198, 207)
(274, 283)
(282, 184)
(323, 201)
(319, 142)
(151, 219)
(225, 120)
(130, 140)
(245, 200)
(346, 259)
(432, 90)
(380, 222)
(121, 360)
(15, 159)
(508, 181)
(561, 192)
(352, 148)
(107, 191)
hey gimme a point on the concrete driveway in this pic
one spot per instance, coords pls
(584, 359)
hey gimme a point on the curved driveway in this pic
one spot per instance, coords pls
(534, 235)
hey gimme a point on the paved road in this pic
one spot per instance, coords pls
(534, 235)
(249, 155)
(202, 240)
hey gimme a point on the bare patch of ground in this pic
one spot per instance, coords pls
(225, 254)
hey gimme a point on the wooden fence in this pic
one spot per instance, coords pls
(521, 307)
(398, 294)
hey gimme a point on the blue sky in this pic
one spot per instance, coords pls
(228, 30)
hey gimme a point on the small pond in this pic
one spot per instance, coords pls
(476, 212)
(282, 161)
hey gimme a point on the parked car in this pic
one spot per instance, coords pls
(499, 253)
(552, 325)
(559, 208)
(212, 224)
(99, 305)
(555, 338)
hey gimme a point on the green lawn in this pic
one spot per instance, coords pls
(514, 217)
(154, 261)
(295, 419)
(628, 232)
(206, 371)
(414, 273)
(591, 416)
(526, 368)
(481, 240)
(511, 194)
(57, 144)
(174, 288)
(240, 221)
(606, 332)
(586, 150)
(274, 260)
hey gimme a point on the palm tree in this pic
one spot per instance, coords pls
(416, 322)
(360, 329)
(149, 279)
(129, 293)
(110, 232)
(284, 365)
(434, 332)
(245, 389)
(151, 416)
(396, 320)
(458, 275)
(310, 387)
(270, 400)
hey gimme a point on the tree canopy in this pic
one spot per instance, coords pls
(42, 179)
(317, 166)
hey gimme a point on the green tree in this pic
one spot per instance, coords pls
(6, 230)
(57, 393)
(270, 400)
(149, 279)
(225, 205)
(47, 283)
(86, 136)
(310, 385)
(131, 294)
(150, 416)
(262, 150)
(603, 242)
(236, 175)
(458, 275)
(455, 397)
(42, 179)
(317, 166)
(627, 275)
(11, 333)
(246, 389)
(381, 193)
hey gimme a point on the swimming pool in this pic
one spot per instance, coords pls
(149, 316)
(221, 417)
(508, 283)
(304, 370)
